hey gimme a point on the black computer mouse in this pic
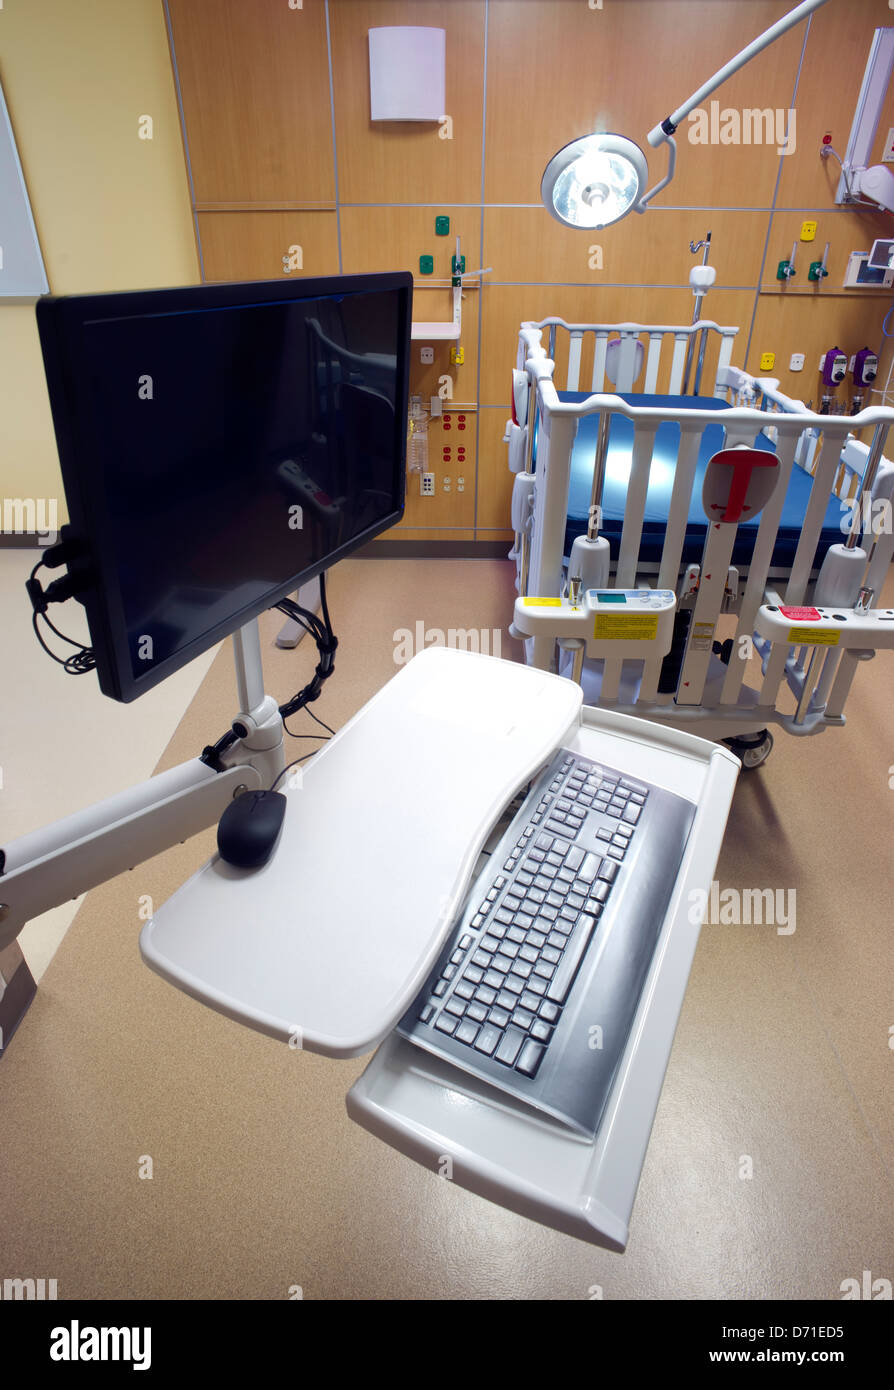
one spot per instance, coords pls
(250, 827)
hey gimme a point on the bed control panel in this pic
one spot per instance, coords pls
(827, 627)
(625, 623)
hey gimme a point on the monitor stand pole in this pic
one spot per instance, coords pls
(49, 866)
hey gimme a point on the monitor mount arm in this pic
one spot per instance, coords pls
(64, 859)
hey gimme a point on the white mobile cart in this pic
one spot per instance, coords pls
(329, 943)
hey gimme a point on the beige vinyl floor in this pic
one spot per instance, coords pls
(782, 1066)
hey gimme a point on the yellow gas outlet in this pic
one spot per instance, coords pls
(457, 355)
(808, 231)
(767, 360)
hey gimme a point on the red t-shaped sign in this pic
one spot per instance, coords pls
(743, 463)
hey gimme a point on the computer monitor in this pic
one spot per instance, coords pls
(220, 446)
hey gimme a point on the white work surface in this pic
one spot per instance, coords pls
(331, 940)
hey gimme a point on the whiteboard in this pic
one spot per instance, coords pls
(21, 264)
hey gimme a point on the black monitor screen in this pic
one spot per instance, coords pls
(221, 445)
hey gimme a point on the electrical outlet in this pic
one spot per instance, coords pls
(457, 356)
(808, 231)
(796, 362)
(767, 360)
(427, 485)
(888, 156)
(426, 355)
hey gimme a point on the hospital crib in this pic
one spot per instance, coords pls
(637, 460)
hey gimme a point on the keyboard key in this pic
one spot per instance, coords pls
(600, 891)
(504, 917)
(487, 1039)
(567, 968)
(427, 1013)
(632, 814)
(467, 1032)
(569, 914)
(549, 1011)
(574, 900)
(544, 969)
(498, 1017)
(440, 988)
(465, 989)
(522, 1019)
(544, 842)
(590, 867)
(446, 1024)
(603, 833)
(478, 1012)
(541, 1030)
(505, 1000)
(457, 957)
(554, 939)
(522, 968)
(536, 985)
(531, 1057)
(516, 934)
(625, 831)
(466, 942)
(510, 1047)
(448, 972)
(502, 963)
(614, 811)
(510, 949)
(482, 958)
(493, 979)
(608, 871)
(485, 994)
(514, 984)
(488, 943)
(616, 853)
(456, 1006)
(552, 955)
(473, 973)
(512, 902)
(536, 938)
(575, 858)
(529, 953)
(530, 1001)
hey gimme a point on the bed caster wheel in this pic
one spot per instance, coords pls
(753, 750)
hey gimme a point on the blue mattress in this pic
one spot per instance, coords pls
(661, 480)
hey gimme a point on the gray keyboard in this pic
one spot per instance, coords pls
(538, 985)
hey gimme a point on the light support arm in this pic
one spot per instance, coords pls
(671, 165)
(665, 129)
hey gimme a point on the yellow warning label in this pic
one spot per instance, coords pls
(626, 627)
(812, 637)
(543, 602)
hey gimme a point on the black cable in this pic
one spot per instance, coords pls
(83, 659)
(321, 722)
(292, 764)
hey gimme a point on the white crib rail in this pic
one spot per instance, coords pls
(633, 340)
(731, 704)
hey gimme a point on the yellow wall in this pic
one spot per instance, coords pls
(112, 210)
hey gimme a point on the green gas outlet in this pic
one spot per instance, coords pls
(426, 265)
(442, 226)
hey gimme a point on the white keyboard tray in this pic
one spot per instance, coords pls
(502, 1149)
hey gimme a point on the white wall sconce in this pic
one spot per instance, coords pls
(407, 67)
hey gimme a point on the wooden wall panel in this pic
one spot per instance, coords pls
(787, 323)
(527, 245)
(436, 306)
(624, 68)
(254, 81)
(845, 229)
(834, 62)
(255, 87)
(406, 161)
(251, 245)
(393, 238)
